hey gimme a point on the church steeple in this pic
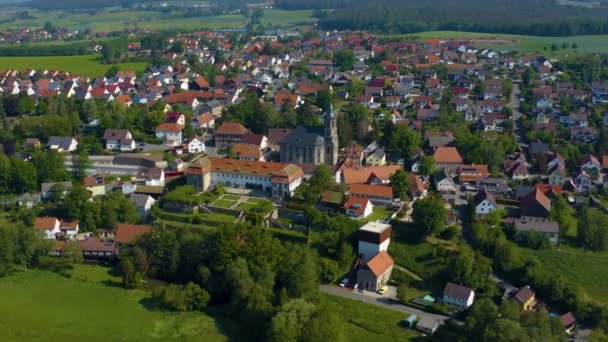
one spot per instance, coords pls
(331, 136)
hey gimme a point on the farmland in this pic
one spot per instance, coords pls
(87, 65)
(43, 306)
(586, 269)
(586, 43)
(117, 20)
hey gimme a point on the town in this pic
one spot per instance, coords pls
(439, 179)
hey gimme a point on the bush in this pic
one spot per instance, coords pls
(402, 293)
(190, 297)
(449, 233)
(328, 270)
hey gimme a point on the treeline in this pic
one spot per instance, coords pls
(311, 4)
(537, 17)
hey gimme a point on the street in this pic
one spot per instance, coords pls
(386, 303)
(516, 117)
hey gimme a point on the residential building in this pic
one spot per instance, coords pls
(95, 185)
(376, 272)
(484, 202)
(119, 140)
(48, 227)
(377, 194)
(547, 228)
(62, 144)
(458, 296)
(557, 175)
(248, 152)
(143, 203)
(196, 145)
(447, 159)
(279, 179)
(171, 133)
(526, 298)
(366, 175)
(472, 173)
(358, 207)
(228, 134)
(151, 176)
(443, 182)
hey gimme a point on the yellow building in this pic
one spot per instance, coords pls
(526, 298)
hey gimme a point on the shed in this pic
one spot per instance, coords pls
(410, 322)
(427, 325)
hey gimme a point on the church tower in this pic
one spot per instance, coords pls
(331, 137)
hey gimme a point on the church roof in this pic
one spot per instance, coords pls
(303, 136)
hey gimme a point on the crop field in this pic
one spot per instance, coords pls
(586, 269)
(586, 43)
(91, 306)
(87, 65)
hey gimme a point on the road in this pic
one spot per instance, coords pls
(516, 117)
(386, 303)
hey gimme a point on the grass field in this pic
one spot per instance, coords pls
(87, 65)
(222, 203)
(379, 213)
(43, 306)
(366, 322)
(586, 269)
(586, 43)
(231, 197)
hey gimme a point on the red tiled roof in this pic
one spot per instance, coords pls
(44, 223)
(363, 175)
(447, 155)
(233, 128)
(371, 190)
(356, 204)
(380, 263)
(127, 233)
(169, 127)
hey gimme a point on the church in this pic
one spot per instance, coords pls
(306, 146)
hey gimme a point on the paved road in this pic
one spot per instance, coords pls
(383, 302)
(514, 106)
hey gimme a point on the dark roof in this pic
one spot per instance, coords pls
(302, 136)
(276, 135)
(567, 319)
(457, 291)
(539, 148)
(524, 294)
(482, 195)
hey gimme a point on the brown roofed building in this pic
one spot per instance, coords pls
(369, 175)
(376, 272)
(358, 207)
(128, 233)
(472, 173)
(378, 194)
(526, 298)
(229, 133)
(248, 152)
(447, 159)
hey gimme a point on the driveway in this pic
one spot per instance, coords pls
(382, 301)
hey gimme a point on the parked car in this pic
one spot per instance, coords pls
(343, 282)
(383, 290)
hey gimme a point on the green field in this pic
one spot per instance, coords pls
(43, 306)
(367, 322)
(586, 269)
(586, 43)
(222, 203)
(87, 65)
(379, 213)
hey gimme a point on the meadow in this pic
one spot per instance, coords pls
(86, 65)
(584, 268)
(586, 43)
(91, 306)
(116, 20)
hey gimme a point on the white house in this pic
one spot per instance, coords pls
(171, 133)
(62, 144)
(196, 145)
(143, 203)
(458, 296)
(358, 207)
(444, 183)
(119, 139)
(151, 176)
(485, 202)
(48, 226)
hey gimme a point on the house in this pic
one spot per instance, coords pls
(427, 325)
(95, 185)
(496, 186)
(48, 189)
(259, 140)
(568, 322)
(119, 139)
(472, 173)
(582, 180)
(544, 227)
(366, 175)
(171, 133)
(376, 272)
(443, 182)
(62, 144)
(28, 200)
(93, 248)
(248, 152)
(128, 233)
(280, 179)
(484, 202)
(557, 175)
(196, 145)
(177, 118)
(154, 176)
(377, 194)
(447, 159)
(205, 120)
(591, 164)
(143, 203)
(526, 298)
(69, 228)
(48, 227)
(374, 155)
(458, 296)
(535, 205)
(358, 207)
(228, 134)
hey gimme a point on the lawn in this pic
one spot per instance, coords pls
(586, 269)
(366, 322)
(379, 213)
(43, 306)
(256, 200)
(231, 197)
(245, 206)
(87, 65)
(222, 203)
(586, 43)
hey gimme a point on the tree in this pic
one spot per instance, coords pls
(402, 293)
(481, 315)
(344, 60)
(289, 323)
(189, 297)
(80, 164)
(592, 230)
(400, 181)
(401, 141)
(112, 71)
(324, 325)
(504, 330)
(298, 272)
(427, 166)
(130, 277)
(429, 215)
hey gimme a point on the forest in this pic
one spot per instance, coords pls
(536, 17)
